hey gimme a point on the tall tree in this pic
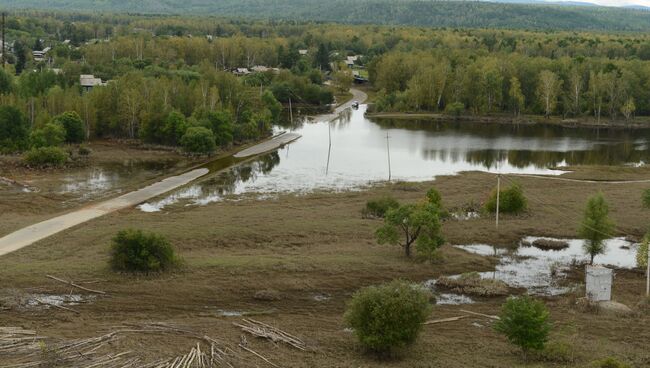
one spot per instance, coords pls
(517, 98)
(548, 89)
(596, 226)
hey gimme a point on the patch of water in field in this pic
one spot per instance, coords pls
(540, 271)
(352, 152)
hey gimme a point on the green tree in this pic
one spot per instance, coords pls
(548, 89)
(596, 226)
(628, 108)
(14, 129)
(6, 82)
(642, 252)
(74, 126)
(199, 140)
(221, 124)
(271, 103)
(511, 200)
(322, 58)
(388, 316)
(20, 52)
(51, 134)
(409, 224)
(517, 98)
(174, 128)
(524, 322)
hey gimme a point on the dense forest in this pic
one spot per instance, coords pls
(227, 78)
(428, 13)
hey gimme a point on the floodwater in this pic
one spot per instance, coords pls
(353, 151)
(541, 272)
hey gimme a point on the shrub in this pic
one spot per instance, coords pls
(198, 140)
(46, 157)
(14, 129)
(137, 251)
(609, 362)
(379, 207)
(455, 108)
(388, 316)
(642, 252)
(645, 198)
(524, 321)
(511, 200)
(174, 128)
(84, 150)
(50, 135)
(558, 352)
(74, 126)
(434, 197)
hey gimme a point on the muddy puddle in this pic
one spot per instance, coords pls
(35, 301)
(543, 272)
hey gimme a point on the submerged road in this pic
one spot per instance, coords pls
(39, 231)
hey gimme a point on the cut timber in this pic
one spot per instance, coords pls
(261, 329)
(75, 285)
(443, 320)
(481, 314)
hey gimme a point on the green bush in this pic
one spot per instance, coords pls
(50, 135)
(14, 130)
(524, 321)
(645, 198)
(137, 251)
(46, 157)
(434, 197)
(198, 140)
(511, 200)
(609, 362)
(379, 207)
(388, 316)
(455, 108)
(74, 126)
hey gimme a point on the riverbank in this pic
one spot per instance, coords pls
(235, 252)
(637, 123)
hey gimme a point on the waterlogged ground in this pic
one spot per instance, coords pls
(352, 152)
(542, 272)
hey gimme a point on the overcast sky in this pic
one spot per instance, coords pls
(614, 2)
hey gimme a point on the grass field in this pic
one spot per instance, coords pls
(303, 247)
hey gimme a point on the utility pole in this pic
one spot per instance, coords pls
(647, 281)
(498, 197)
(4, 46)
(388, 151)
(290, 111)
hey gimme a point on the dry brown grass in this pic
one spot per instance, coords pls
(317, 244)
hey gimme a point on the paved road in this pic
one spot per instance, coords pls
(33, 233)
(270, 145)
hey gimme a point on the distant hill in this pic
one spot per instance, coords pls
(403, 12)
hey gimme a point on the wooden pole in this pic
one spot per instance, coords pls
(647, 281)
(388, 151)
(290, 111)
(498, 197)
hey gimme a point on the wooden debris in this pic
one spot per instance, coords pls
(481, 314)
(75, 285)
(450, 319)
(243, 346)
(261, 329)
(58, 306)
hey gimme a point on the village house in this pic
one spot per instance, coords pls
(41, 55)
(88, 82)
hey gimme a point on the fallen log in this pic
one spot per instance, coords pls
(481, 314)
(75, 285)
(443, 320)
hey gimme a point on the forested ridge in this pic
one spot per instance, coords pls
(429, 13)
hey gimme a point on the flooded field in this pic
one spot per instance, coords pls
(541, 272)
(353, 151)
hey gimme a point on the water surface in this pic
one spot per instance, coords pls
(354, 151)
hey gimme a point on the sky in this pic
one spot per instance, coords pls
(613, 2)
